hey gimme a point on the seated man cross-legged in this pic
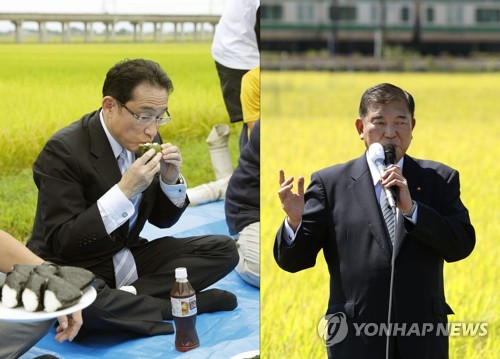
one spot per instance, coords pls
(96, 192)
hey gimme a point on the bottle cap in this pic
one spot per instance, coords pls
(181, 272)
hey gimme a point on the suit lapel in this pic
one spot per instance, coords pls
(400, 234)
(364, 192)
(105, 163)
(413, 174)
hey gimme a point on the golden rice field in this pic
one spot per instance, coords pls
(308, 124)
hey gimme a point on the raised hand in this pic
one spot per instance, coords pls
(171, 163)
(140, 174)
(292, 203)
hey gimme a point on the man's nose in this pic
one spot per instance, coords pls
(151, 129)
(390, 131)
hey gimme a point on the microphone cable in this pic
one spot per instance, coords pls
(391, 285)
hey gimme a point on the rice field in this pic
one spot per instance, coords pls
(308, 124)
(44, 87)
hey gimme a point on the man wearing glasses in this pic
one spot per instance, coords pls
(96, 193)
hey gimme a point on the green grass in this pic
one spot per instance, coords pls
(308, 124)
(45, 87)
(17, 204)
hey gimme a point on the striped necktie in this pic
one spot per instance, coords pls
(123, 164)
(389, 217)
(123, 261)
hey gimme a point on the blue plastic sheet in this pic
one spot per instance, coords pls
(222, 334)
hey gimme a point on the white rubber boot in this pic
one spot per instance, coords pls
(220, 156)
(208, 192)
(218, 147)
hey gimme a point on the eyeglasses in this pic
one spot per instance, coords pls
(146, 120)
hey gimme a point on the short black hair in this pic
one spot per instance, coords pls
(126, 75)
(385, 93)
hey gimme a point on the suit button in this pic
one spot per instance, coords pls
(124, 214)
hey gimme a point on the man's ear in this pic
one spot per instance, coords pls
(359, 127)
(108, 103)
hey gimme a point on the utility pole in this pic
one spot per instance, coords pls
(379, 35)
(334, 18)
(417, 30)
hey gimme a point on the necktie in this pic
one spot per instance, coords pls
(123, 164)
(123, 261)
(389, 217)
(123, 161)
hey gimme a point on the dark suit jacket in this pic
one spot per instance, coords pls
(342, 217)
(242, 204)
(74, 169)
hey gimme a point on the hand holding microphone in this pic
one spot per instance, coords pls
(391, 177)
(377, 154)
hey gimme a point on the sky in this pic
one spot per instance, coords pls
(213, 7)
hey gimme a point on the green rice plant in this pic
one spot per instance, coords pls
(308, 124)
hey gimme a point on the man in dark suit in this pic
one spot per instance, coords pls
(341, 214)
(96, 192)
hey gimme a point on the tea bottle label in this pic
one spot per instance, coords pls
(184, 307)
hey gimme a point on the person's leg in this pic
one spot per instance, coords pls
(206, 258)
(230, 83)
(218, 147)
(248, 244)
(17, 338)
(115, 309)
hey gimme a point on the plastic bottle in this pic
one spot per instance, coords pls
(184, 311)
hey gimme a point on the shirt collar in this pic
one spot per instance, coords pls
(374, 170)
(115, 146)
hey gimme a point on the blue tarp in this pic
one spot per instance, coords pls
(222, 334)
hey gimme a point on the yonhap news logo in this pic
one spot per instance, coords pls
(333, 329)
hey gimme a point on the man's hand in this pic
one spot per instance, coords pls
(68, 326)
(393, 178)
(171, 163)
(140, 174)
(292, 203)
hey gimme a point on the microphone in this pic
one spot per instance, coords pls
(382, 156)
(390, 154)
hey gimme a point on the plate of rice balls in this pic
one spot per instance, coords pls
(32, 293)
